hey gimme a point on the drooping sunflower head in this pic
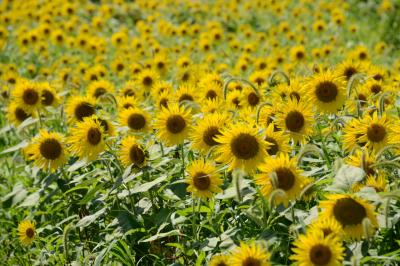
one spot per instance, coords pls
(79, 107)
(136, 119)
(280, 173)
(27, 95)
(86, 139)
(173, 124)
(317, 250)
(48, 150)
(203, 179)
(350, 212)
(241, 147)
(132, 152)
(249, 255)
(26, 232)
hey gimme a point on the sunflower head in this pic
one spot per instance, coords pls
(132, 152)
(203, 179)
(26, 232)
(136, 119)
(79, 107)
(249, 255)
(27, 95)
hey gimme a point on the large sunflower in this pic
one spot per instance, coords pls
(173, 124)
(327, 91)
(350, 212)
(26, 232)
(136, 119)
(296, 118)
(249, 255)
(315, 249)
(204, 133)
(280, 173)
(203, 179)
(87, 139)
(79, 107)
(241, 147)
(48, 150)
(27, 95)
(132, 152)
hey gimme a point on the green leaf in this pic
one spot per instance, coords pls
(85, 221)
(147, 186)
(161, 235)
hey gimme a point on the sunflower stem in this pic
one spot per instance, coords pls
(40, 118)
(278, 72)
(183, 160)
(194, 229)
(161, 149)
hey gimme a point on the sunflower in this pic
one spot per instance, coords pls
(107, 126)
(49, 95)
(251, 98)
(26, 232)
(351, 135)
(280, 173)
(234, 100)
(147, 78)
(327, 227)
(363, 159)
(241, 147)
(349, 68)
(87, 139)
(315, 249)
(211, 91)
(298, 53)
(126, 102)
(296, 118)
(48, 151)
(212, 106)
(203, 179)
(249, 254)
(79, 107)
(279, 141)
(204, 133)
(161, 87)
(27, 95)
(350, 212)
(186, 92)
(173, 124)
(163, 100)
(16, 114)
(131, 152)
(98, 88)
(375, 131)
(136, 119)
(327, 91)
(219, 260)
(374, 86)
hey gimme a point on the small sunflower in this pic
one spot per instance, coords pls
(87, 139)
(49, 95)
(241, 147)
(248, 255)
(349, 68)
(219, 260)
(173, 124)
(98, 88)
(186, 92)
(16, 114)
(314, 249)
(132, 152)
(26, 232)
(211, 91)
(147, 78)
(279, 141)
(79, 107)
(280, 173)
(327, 227)
(296, 118)
(204, 133)
(125, 102)
(203, 179)
(136, 119)
(375, 131)
(27, 95)
(48, 150)
(378, 183)
(251, 98)
(327, 91)
(350, 212)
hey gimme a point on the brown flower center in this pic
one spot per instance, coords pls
(99, 92)
(253, 99)
(376, 133)
(147, 81)
(30, 233)
(50, 149)
(349, 212)
(326, 91)
(211, 94)
(84, 109)
(164, 102)
(286, 178)
(320, 255)
(294, 95)
(176, 124)
(20, 114)
(274, 147)
(376, 88)
(349, 72)
(47, 97)
(245, 146)
(136, 121)
(209, 134)
(294, 121)
(201, 181)
(136, 155)
(185, 97)
(250, 261)
(30, 96)
(94, 136)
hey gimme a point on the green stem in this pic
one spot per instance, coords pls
(183, 161)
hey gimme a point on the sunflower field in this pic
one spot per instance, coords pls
(200, 132)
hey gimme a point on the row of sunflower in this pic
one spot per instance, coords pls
(276, 95)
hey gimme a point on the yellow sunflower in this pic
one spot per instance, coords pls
(375, 131)
(27, 95)
(280, 173)
(48, 151)
(327, 91)
(279, 141)
(251, 98)
(186, 92)
(49, 95)
(363, 159)
(314, 249)
(249, 254)
(173, 124)
(219, 260)
(203, 179)
(79, 107)
(125, 102)
(349, 68)
(241, 147)
(136, 119)
(211, 91)
(350, 212)
(16, 114)
(378, 183)
(132, 152)
(147, 78)
(296, 118)
(26, 232)
(86, 139)
(351, 135)
(204, 133)
(98, 88)
(327, 227)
